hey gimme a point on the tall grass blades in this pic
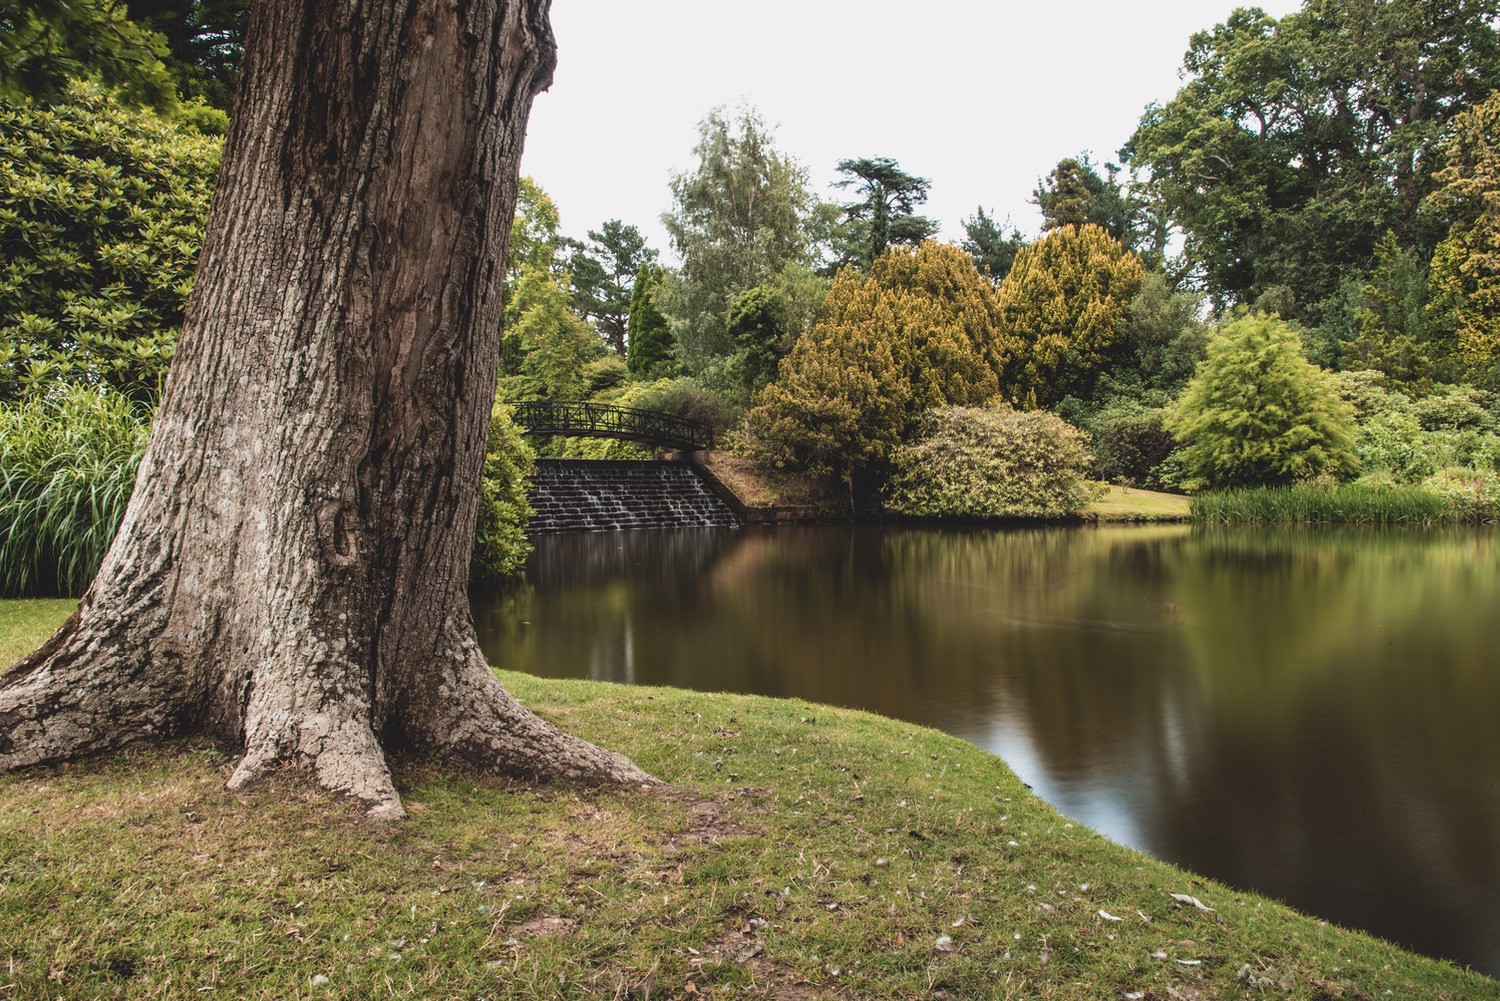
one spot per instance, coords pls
(67, 467)
(1345, 504)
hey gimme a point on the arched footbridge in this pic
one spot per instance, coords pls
(599, 420)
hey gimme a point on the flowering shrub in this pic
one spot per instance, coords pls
(991, 462)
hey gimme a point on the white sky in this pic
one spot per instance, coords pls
(980, 98)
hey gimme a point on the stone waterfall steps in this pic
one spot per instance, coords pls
(579, 495)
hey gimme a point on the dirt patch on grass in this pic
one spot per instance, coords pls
(743, 945)
(706, 820)
(546, 926)
(758, 485)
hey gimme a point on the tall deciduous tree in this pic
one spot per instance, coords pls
(1295, 144)
(290, 574)
(885, 213)
(738, 220)
(1064, 303)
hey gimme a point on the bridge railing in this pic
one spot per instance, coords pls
(600, 420)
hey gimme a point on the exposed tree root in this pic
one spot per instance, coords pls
(75, 697)
(468, 717)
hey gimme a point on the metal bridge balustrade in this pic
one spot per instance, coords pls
(600, 420)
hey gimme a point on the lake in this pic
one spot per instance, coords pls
(1312, 714)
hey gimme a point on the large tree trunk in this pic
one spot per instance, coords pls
(290, 575)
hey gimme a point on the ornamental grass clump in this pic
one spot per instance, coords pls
(991, 462)
(67, 468)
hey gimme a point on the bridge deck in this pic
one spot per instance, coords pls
(599, 420)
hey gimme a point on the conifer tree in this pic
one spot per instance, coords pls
(1258, 413)
(1465, 280)
(1065, 303)
(1392, 323)
(921, 330)
(650, 348)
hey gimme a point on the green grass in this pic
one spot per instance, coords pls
(1345, 503)
(25, 623)
(802, 851)
(1130, 504)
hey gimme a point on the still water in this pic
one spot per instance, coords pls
(1314, 714)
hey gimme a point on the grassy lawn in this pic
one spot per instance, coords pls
(1130, 504)
(801, 852)
(24, 624)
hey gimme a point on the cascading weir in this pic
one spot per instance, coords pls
(581, 495)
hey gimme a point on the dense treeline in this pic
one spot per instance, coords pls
(1291, 276)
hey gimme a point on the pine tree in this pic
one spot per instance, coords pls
(651, 347)
(1259, 413)
(1065, 302)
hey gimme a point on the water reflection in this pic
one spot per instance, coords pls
(1309, 713)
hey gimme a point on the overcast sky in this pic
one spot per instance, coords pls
(980, 98)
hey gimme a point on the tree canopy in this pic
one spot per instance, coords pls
(46, 43)
(1465, 279)
(885, 213)
(603, 270)
(1295, 144)
(920, 330)
(738, 220)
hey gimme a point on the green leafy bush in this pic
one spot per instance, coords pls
(1258, 413)
(67, 467)
(1412, 439)
(101, 218)
(1468, 494)
(500, 542)
(1131, 445)
(990, 462)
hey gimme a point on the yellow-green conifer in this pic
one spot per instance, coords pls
(919, 331)
(1064, 304)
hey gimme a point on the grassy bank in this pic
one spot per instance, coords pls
(801, 851)
(1130, 504)
(764, 490)
(1341, 504)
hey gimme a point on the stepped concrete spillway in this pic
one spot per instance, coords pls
(581, 495)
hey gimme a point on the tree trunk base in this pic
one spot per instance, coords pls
(68, 701)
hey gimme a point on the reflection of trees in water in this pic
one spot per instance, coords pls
(1346, 756)
(1254, 690)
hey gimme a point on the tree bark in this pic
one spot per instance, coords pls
(290, 576)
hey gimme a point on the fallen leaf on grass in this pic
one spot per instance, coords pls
(1108, 916)
(1184, 898)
